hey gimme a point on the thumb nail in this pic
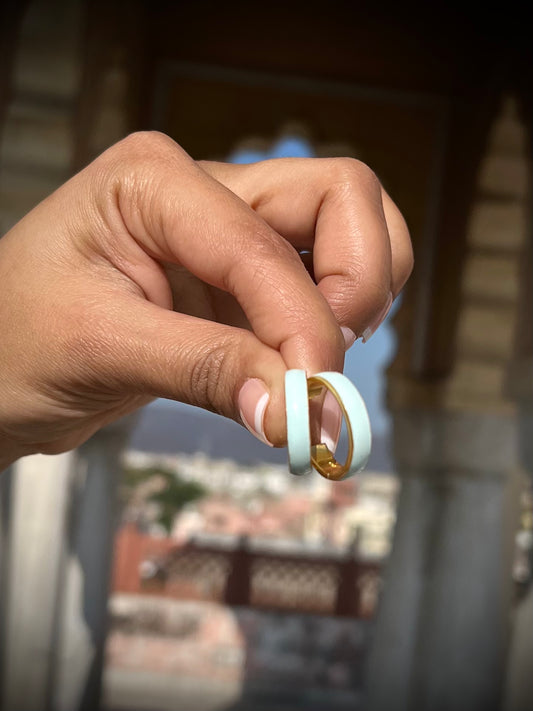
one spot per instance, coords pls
(349, 337)
(252, 401)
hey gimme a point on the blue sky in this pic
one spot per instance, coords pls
(285, 147)
(365, 362)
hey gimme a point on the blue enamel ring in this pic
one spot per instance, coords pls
(303, 455)
(298, 435)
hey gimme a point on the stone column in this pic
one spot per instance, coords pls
(82, 617)
(39, 501)
(61, 541)
(442, 634)
(443, 626)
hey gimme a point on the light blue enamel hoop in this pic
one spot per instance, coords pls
(357, 425)
(302, 455)
(298, 435)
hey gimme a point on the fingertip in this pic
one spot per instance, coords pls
(370, 330)
(259, 394)
(349, 337)
(253, 400)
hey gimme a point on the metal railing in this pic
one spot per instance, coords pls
(246, 574)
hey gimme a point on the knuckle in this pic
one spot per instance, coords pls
(271, 248)
(136, 158)
(130, 178)
(144, 143)
(264, 250)
(265, 242)
(351, 173)
(208, 385)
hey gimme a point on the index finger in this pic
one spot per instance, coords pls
(177, 213)
(337, 208)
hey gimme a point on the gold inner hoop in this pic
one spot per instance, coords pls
(322, 458)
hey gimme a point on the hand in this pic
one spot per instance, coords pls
(150, 275)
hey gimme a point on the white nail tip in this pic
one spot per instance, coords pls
(259, 417)
(367, 333)
(349, 337)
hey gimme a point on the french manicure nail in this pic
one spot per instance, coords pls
(252, 401)
(349, 337)
(368, 332)
(331, 422)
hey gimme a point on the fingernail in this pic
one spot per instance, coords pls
(368, 332)
(349, 337)
(253, 400)
(331, 422)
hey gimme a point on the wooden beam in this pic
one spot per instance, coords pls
(440, 259)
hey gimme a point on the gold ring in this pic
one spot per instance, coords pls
(322, 457)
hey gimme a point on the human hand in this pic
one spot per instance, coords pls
(148, 274)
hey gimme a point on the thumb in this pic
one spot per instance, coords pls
(221, 368)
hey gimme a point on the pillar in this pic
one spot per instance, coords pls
(34, 572)
(82, 616)
(442, 634)
(443, 626)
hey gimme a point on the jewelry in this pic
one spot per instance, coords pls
(299, 390)
(298, 434)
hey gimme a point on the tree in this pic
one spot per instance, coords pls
(156, 495)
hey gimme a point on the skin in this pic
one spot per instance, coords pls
(151, 275)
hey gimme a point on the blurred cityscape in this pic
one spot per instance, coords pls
(239, 584)
(265, 502)
(225, 571)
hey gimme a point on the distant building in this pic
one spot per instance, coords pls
(265, 502)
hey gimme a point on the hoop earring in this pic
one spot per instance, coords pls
(299, 390)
